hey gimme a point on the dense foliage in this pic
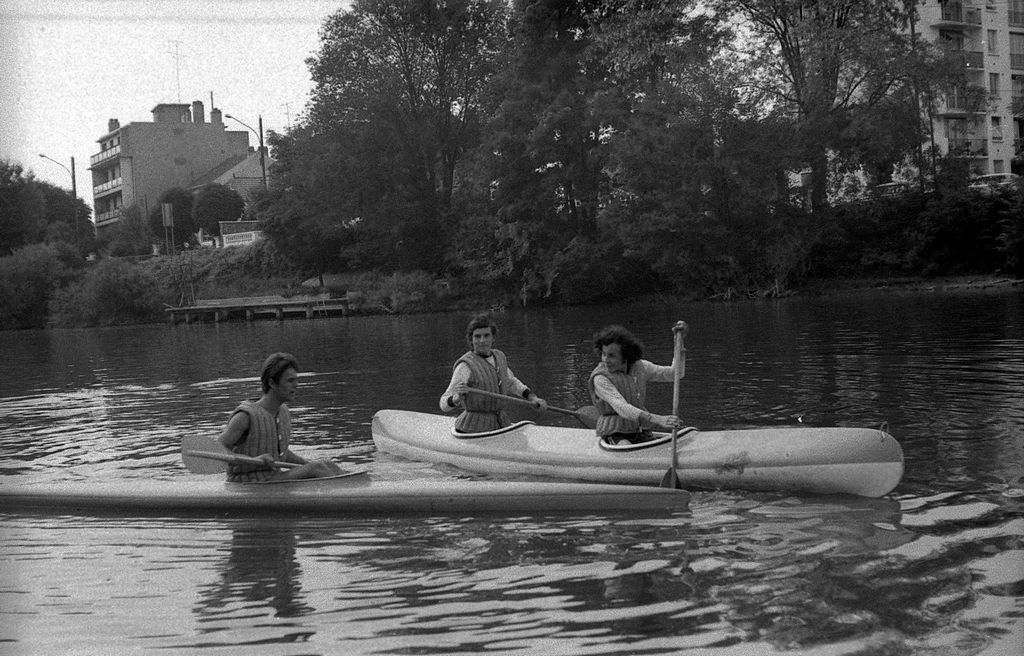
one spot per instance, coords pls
(32, 211)
(576, 151)
(566, 151)
(215, 203)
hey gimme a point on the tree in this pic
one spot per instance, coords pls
(396, 103)
(22, 208)
(184, 229)
(215, 203)
(825, 59)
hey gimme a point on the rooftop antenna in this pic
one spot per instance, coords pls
(288, 116)
(177, 66)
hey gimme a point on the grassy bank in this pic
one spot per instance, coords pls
(43, 286)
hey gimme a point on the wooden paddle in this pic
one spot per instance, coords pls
(205, 455)
(671, 478)
(587, 415)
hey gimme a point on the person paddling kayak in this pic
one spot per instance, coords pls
(618, 388)
(262, 429)
(483, 367)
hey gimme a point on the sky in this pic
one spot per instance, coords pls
(67, 66)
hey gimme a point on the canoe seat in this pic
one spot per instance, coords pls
(660, 438)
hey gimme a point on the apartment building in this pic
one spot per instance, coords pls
(988, 36)
(139, 161)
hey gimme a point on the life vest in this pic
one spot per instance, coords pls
(267, 434)
(483, 413)
(632, 388)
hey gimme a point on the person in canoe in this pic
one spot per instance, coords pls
(485, 368)
(262, 429)
(618, 388)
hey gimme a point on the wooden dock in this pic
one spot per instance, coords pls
(252, 307)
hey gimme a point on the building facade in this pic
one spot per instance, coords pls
(140, 161)
(983, 122)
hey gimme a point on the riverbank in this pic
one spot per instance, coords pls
(946, 283)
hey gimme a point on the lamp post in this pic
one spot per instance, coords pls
(74, 190)
(263, 164)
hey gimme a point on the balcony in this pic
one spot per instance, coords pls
(968, 148)
(964, 101)
(106, 218)
(108, 186)
(972, 59)
(955, 14)
(1017, 60)
(1016, 18)
(105, 155)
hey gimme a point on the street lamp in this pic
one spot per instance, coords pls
(74, 190)
(263, 164)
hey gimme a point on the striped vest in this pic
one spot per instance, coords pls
(483, 413)
(267, 434)
(633, 389)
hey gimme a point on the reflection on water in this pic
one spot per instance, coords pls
(936, 569)
(260, 569)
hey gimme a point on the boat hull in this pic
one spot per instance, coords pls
(860, 461)
(343, 497)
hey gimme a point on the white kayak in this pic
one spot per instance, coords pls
(861, 461)
(351, 495)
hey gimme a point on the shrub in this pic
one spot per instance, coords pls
(112, 292)
(28, 280)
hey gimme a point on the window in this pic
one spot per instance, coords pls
(993, 43)
(997, 128)
(1016, 50)
(998, 166)
(993, 84)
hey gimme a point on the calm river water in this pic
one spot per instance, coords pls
(936, 568)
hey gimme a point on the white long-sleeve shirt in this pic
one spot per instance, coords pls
(644, 370)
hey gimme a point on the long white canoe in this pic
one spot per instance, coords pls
(340, 497)
(861, 461)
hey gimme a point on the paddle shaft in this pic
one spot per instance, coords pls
(678, 369)
(521, 401)
(236, 459)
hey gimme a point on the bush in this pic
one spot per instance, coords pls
(112, 292)
(28, 280)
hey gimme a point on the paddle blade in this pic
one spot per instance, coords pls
(588, 415)
(199, 465)
(671, 480)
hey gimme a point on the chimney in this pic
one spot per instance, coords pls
(215, 116)
(113, 124)
(197, 111)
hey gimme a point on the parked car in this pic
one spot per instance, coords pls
(988, 184)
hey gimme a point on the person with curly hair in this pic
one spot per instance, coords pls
(618, 388)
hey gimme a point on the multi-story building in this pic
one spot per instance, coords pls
(140, 161)
(983, 122)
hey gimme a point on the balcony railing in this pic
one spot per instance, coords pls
(972, 59)
(1016, 18)
(955, 14)
(104, 155)
(1017, 60)
(103, 218)
(106, 186)
(968, 148)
